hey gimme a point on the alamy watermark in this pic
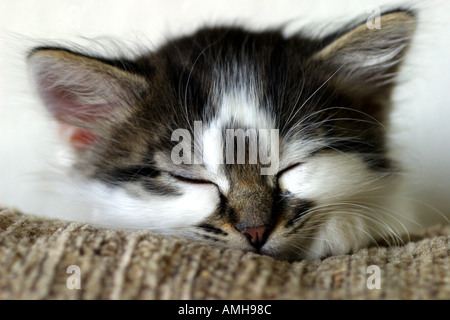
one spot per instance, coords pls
(374, 280)
(374, 19)
(263, 147)
(73, 281)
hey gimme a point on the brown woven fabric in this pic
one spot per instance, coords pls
(35, 254)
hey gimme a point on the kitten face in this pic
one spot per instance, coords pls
(327, 101)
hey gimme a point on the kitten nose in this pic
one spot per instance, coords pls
(256, 236)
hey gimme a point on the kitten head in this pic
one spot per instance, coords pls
(242, 139)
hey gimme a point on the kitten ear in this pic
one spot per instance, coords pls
(84, 94)
(365, 58)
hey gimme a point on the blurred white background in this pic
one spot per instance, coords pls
(421, 121)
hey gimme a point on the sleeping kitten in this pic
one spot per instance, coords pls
(152, 137)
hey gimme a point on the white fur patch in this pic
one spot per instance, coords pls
(71, 197)
(328, 176)
(238, 103)
(354, 204)
(240, 106)
(162, 214)
(338, 235)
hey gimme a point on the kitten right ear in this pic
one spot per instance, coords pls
(86, 95)
(366, 59)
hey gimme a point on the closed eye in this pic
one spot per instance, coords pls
(280, 173)
(191, 180)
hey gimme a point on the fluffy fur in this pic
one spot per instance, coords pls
(335, 186)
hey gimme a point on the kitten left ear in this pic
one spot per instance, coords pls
(86, 95)
(366, 59)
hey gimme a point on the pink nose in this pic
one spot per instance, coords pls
(256, 236)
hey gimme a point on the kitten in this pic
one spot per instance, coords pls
(325, 103)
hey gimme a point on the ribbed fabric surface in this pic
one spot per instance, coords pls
(35, 255)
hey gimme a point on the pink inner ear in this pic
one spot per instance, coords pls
(68, 108)
(82, 139)
(66, 104)
(79, 138)
(73, 115)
